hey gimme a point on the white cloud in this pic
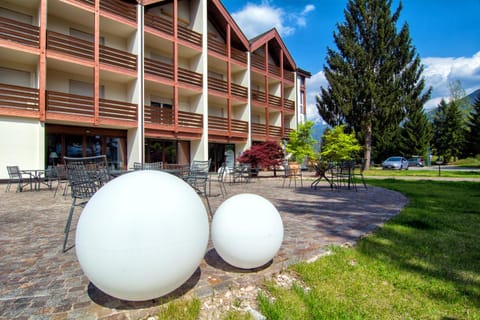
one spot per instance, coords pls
(254, 19)
(439, 72)
(313, 89)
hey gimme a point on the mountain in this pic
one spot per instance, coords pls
(465, 107)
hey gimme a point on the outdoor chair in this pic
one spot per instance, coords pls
(198, 179)
(359, 174)
(242, 172)
(292, 171)
(85, 177)
(222, 174)
(148, 165)
(61, 177)
(15, 176)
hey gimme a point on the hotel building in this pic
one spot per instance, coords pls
(172, 81)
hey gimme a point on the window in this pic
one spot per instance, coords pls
(14, 15)
(15, 77)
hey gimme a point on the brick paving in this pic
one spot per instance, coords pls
(38, 281)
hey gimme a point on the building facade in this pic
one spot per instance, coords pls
(171, 81)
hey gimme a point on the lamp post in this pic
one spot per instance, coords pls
(439, 163)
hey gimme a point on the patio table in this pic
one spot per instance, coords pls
(38, 176)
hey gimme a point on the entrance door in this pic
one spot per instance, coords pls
(220, 153)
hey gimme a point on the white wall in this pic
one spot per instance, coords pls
(22, 143)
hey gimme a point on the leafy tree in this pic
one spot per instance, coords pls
(300, 143)
(416, 134)
(449, 131)
(338, 145)
(375, 77)
(266, 154)
(473, 135)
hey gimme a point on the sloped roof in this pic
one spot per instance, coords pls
(275, 46)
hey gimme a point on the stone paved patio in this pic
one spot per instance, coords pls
(38, 281)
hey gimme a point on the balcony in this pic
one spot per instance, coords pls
(288, 75)
(158, 68)
(158, 115)
(274, 101)
(259, 129)
(190, 77)
(189, 36)
(120, 8)
(238, 55)
(273, 69)
(159, 23)
(289, 104)
(218, 47)
(85, 49)
(19, 32)
(221, 124)
(217, 85)
(257, 61)
(239, 91)
(258, 96)
(274, 131)
(17, 97)
(77, 105)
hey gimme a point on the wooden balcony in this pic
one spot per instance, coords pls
(190, 120)
(190, 77)
(120, 8)
(17, 97)
(274, 131)
(288, 75)
(217, 85)
(70, 45)
(218, 47)
(238, 55)
(239, 91)
(257, 61)
(273, 69)
(19, 32)
(189, 36)
(259, 129)
(77, 105)
(221, 124)
(159, 23)
(274, 101)
(158, 115)
(85, 49)
(289, 104)
(158, 68)
(258, 96)
(118, 58)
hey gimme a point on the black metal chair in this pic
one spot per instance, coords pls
(198, 179)
(16, 176)
(158, 165)
(61, 177)
(85, 176)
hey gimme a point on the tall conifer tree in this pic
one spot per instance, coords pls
(416, 134)
(375, 76)
(473, 140)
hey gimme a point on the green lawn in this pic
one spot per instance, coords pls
(423, 264)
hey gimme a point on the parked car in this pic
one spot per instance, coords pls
(415, 162)
(397, 163)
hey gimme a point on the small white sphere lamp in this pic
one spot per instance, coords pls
(247, 231)
(142, 235)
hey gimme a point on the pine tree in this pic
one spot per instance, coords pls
(416, 134)
(473, 136)
(375, 77)
(448, 130)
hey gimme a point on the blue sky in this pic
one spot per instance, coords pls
(445, 33)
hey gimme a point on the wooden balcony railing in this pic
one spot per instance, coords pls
(189, 35)
(119, 110)
(73, 104)
(258, 96)
(259, 129)
(18, 97)
(217, 123)
(217, 46)
(239, 126)
(238, 55)
(257, 61)
(274, 101)
(287, 131)
(275, 131)
(189, 119)
(273, 69)
(190, 77)
(159, 23)
(118, 58)
(158, 68)
(70, 45)
(239, 91)
(217, 85)
(289, 104)
(120, 8)
(288, 75)
(159, 115)
(19, 32)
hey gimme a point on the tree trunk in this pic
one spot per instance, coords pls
(367, 154)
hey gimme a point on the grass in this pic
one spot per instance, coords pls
(423, 264)
(432, 172)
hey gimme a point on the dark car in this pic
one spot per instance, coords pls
(415, 162)
(397, 163)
